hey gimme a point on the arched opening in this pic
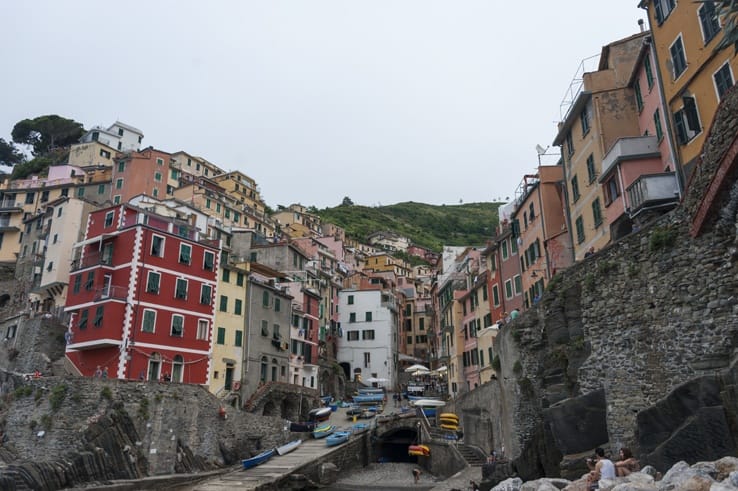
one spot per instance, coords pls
(178, 368)
(264, 366)
(393, 445)
(289, 408)
(346, 367)
(270, 409)
(4, 299)
(154, 367)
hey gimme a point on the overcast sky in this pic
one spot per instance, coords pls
(383, 101)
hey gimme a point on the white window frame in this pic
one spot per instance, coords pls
(179, 258)
(143, 321)
(202, 329)
(158, 282)
(109, 216)
(171, 326)
(679, 39)
(714, 82)
(212, 261)
(511, 289)
(163, 242)
(186, 289)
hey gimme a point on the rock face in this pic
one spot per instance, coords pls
(64, 432)
(634, 347)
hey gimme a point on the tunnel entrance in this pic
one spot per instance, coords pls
(392, 447)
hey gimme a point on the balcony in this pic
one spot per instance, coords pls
(5, 225)
(630, 148)
(93, 259)
(653, 190)
(11, 205)
(111, 292)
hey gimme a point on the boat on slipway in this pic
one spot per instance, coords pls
(257, 459)
(337, 438)
(288, 447)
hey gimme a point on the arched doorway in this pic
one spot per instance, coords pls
(178, 369)
(154, 366)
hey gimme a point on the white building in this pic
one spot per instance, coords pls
(368, 335)
(119, 136)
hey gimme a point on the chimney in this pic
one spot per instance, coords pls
(641, 25)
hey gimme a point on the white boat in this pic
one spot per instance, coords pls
(428, 403)
(288, 447)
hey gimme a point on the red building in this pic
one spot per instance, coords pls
(141, 297)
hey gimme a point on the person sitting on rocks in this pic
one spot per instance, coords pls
(627, 463)
(600, 468)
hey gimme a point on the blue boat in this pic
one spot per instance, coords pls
(323, 431)
(257, 459)
(359, 427)
(326, 399)
(371, 390)
(429, 411)
(337, 438)
(368, 398)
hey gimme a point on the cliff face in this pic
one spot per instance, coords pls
(635, 346)
(61, 432)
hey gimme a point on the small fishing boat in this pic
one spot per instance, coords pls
(371, 390)
(418, 450)
(359, 427)
(354, 410)
(326, 399)
(288, 447)
(368, 413)
(368, 398)
(257, 459)
(319, 414)
(323, 431)
(337, 438)
(302, 427)
(428, 403)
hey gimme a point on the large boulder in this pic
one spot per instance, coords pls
(578, 424)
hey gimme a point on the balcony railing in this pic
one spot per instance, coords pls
(111, 292)
(652, 190)
(11, 204)
(89, 260)
(630, 148)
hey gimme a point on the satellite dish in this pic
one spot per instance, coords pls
(541, 150)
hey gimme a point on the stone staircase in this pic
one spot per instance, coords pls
(473, 456)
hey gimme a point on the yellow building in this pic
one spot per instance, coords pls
(603, 110)
(297, 222)
(229, 340)
(386, 263)
(693, 74)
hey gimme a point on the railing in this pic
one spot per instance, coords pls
(5, 204)
(111, 292)
(652, 189)
(94, 259)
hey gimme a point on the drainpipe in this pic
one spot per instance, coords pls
(681, 178)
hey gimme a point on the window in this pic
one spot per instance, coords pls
(149, 320)
(226, 277)
(202, 329)
(584, 118)
(496, 295)
(663, 8)
(30, 198)
(504, 250)
(116, 199)
(90, 280)
(208, 261)
(239, 339)
(352, 317)
(152, 283)
(508, 289)
(678, 58)
(109, 219)
(368, 317)
(708, 21)
(531, 213)
(77, 283)
(277, 304)
(157, 246)
(649, 71)
(185, 253)
(207, 203)
(687, 121)
(120, 131)
(180, 290)
(83, 319)
(206, 294)
(591, 173)
(265, 299)
(239, 279)
(265, 328)
(104, 153)
(518, 284)
(238, 307)
(121, 166)
(569, 144)
(580, 230)
(223, 303)
(119, 184)
(367, 335)
(44, 197)
(638, 95)
(177, 328)
(157, 176)
(574, 189)
(155, 192)
(350, 300)
(352, 335)
(220, 339)
(159, 161)
(657, 124)
(367, 359)
(80, 192)
(597, 212)
(611, 190)
(101, 189)
(99, 314)
(409, 340)
(723, 79)
(275, 332)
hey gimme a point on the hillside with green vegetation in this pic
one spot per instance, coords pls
(430, 226)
